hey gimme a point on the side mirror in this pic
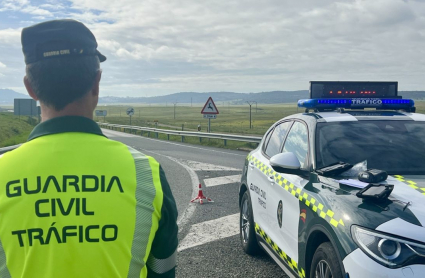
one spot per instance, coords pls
(287, 163)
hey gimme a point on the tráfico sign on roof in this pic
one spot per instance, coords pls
(209, 107)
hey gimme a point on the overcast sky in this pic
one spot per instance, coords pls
(159, 47)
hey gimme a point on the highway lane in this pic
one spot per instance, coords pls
(209, 233)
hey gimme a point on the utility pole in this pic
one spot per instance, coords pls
(250, 118)
(175, 103)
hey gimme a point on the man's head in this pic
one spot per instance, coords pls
(62, 64)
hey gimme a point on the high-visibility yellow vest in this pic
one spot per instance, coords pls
(76, 204)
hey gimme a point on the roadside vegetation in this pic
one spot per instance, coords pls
(14, 130)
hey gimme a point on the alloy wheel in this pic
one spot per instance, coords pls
(323, 270)
(245, 221)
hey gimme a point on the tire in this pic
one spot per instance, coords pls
(247, 227)
(325, 263)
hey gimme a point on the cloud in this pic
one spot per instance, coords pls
(23, 6)
(10, 36)
(243, 46)
(2, 66)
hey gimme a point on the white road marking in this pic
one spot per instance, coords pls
(222, 180)
(187, 146)
(190, 210)
(209, 231)
(116, 134)
(200, 166)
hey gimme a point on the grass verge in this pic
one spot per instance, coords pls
(14, 130)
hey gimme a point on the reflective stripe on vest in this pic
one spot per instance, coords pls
(145, 195)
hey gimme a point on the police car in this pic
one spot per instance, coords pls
(339, 191)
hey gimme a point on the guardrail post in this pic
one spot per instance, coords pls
(141, 133)
(149, 134)
(225, 142)
(157, 135)
(168, 137)
(200, 139)
(182, 138)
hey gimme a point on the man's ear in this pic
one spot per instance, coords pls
(95, 89)
(29, 89)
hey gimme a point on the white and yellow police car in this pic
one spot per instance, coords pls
(339, 191)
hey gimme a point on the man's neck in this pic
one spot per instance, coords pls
(73, 109)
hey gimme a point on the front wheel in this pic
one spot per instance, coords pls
(325, 263)
(247, 228)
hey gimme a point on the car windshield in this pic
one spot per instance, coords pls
(397, 147)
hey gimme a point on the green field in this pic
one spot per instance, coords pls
(14, 130)
(233, 119)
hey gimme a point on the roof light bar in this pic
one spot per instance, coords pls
(356, 103)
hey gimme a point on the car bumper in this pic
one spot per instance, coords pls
(358, 265)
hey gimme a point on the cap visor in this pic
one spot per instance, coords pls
(102, 58)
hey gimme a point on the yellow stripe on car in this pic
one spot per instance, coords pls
(289, 261)
(412, 184)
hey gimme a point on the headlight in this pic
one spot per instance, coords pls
(388, 250)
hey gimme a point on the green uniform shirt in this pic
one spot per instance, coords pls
(75, 204)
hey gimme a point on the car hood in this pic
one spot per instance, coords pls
(411, 190)
(403, 214)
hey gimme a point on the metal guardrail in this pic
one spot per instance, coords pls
(156, 131)
(225, 137)
(8, 149)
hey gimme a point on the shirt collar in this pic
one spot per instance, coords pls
(65, 124)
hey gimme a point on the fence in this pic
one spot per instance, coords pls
(183, 134)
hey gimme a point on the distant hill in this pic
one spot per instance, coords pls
(235, 98)
(415, 95)
(7, 96)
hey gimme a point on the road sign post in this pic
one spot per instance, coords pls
(130, 112)
(250, 118)
(209, 111)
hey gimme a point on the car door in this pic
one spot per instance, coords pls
(283, 206)
(259, 183)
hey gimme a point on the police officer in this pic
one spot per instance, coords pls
(72, 202)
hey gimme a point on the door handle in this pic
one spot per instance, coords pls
(271, 179)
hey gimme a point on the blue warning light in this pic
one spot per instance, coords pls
(356, 103)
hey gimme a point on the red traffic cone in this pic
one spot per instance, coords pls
(201, 197)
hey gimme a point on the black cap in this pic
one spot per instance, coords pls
(57, 39)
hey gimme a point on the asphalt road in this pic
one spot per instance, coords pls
(209, 233)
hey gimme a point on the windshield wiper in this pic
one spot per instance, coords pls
(334, 169)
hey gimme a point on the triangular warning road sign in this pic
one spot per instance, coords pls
(209, 107)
